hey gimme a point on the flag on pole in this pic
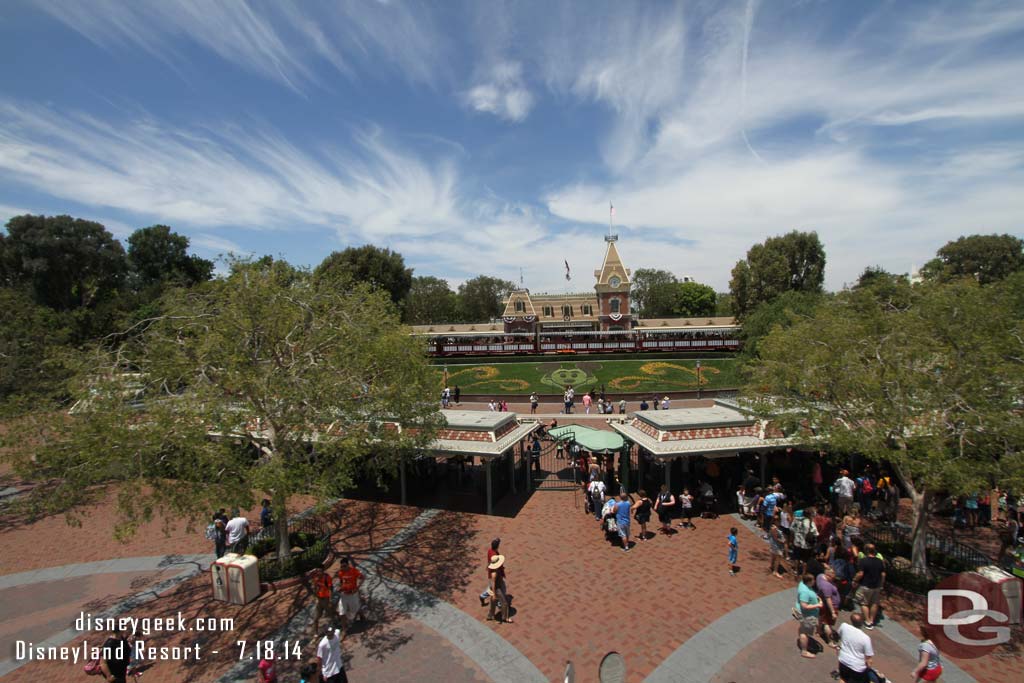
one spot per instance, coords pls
(567, 275)
(611, 209)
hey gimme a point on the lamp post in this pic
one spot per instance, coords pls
(698, 381)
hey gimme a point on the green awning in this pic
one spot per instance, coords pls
(595, 440)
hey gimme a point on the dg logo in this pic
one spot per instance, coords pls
(968, 616)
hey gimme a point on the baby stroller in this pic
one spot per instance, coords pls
(610, 526)
(710, 502)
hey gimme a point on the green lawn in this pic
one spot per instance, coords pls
(618, 376)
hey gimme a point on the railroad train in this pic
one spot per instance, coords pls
(720, 338)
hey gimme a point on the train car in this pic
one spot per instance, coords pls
(709, 338)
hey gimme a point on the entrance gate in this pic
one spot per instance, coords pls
(554, 472)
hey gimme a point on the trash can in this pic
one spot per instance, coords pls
(243, 579)
(219, 576)
(1009, 585)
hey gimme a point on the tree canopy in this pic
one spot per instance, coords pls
(986, 258)
(378, 267)
(430, 300)
(260, 381)
(929, 385)
(652, 292)
(156, 255)
(66, 262)
(480, 297)
(782, 311)
(692, 299)
(791, 262)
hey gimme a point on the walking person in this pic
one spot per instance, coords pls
(216, 533)
(349, 581)
(622, 406)
(321, 587)
(929, 664)
(825, 582)
(535, 454)
(843, 488)
(686, 508)
(855, 651)
(868, 583)
(457, 394)
(266, 515)
(622, 519)
(587, 400)
(663, 506)
(116, 653)
(805, 537)
(808, 605)
(328, 657)
(597, 490)
(534, 402)
(851, 524)
(734, 550)
(643, 513)
(777, 546)
(496, 581)
(237, 530)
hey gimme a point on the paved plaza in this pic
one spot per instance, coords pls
(669, 606)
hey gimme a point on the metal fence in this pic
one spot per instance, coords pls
(942, 549)
(309, 533)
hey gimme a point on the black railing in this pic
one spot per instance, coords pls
(944, 552)
(311, 534)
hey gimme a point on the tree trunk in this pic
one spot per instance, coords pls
(284, 547)
(921, 506)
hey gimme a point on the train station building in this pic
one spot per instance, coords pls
(603, 310)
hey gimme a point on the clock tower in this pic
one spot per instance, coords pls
(612, 289)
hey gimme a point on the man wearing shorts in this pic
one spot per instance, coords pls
(868, 584)
(349, 580)
(322, 590)
(808, 605)
(622, 520)
(855, 651)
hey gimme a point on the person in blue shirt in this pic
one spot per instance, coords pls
(622, 520)
(266, 515)
(734, 548)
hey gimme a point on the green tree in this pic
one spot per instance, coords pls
(986, 258)
(67, 262)
(430, 300)
(653, 292)
(782, 311)
(480, 298)
(930, 389)
(31, 337)
(259, 382)
(692, 299)
(723, 304)
(157, 255)
(382, 269)
(791, 262)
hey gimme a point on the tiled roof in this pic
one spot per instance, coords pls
(695, 446)
(711, 321)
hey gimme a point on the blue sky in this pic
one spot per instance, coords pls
(484, 137)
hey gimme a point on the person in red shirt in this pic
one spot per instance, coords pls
(320, 586)
(349, 580)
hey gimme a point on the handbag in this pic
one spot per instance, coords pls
(93, 668)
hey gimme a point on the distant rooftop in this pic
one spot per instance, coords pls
(482, 420)
(718, 415)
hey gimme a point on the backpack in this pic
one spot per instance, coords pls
(211, 531)
(866, 486)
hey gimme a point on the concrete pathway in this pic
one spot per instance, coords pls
(184, 566)
(493, 654)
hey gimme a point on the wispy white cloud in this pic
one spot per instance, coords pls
(252, 178)
(502, 92)
(217, 245)
(284, 42)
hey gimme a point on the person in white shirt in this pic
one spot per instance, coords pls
(844, 492)
(855, 651)
(328, 657)
(237, 530)
(597, 489)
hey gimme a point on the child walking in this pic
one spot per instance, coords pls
(734, 548)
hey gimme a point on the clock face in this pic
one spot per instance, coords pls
(615, 281)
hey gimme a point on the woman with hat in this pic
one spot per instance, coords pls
(496, 578)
